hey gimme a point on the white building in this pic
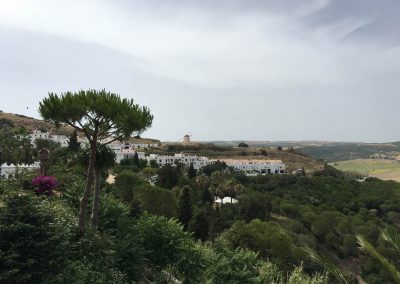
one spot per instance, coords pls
(163, 160)
(9, 171)
(197, 162)
(225, 200)
(118, 145)
(58, 138)
(131, 143)
(255, 167)
(127, 149)
(127, 154)
(249, 167)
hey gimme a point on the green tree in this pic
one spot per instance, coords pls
(214, 167)
(185, 206)
(156, 200)
(170, 249)
(105, 158)
(73, 144)
(125, 184)
(35, 239)
(254, 205)
(191, 173)
(136, 160)
(231, 188)
(154, 164)
(168, 176)
(267, 238)
(102, 117)
(200, 224)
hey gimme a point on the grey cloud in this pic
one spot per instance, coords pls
(381, 19)
(216, 69)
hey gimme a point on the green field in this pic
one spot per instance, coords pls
(380, 168)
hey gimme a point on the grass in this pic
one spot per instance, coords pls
(380, 168)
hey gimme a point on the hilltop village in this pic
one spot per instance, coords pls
(136, 146)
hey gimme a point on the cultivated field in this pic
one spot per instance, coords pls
(380, 168)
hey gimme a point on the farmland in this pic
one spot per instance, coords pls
(380, 168)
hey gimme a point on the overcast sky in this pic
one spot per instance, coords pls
(215, 69)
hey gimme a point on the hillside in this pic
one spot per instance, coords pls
(293, 159)
(30, 123)
(380, 168)
(342, 151)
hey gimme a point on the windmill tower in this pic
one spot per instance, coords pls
(186, 139)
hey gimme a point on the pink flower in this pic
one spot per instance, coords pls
(44, 184)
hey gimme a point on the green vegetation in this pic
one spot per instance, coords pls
(334, 152)
(384, 169)
(102, 117)
(262, 238)
(284, 228)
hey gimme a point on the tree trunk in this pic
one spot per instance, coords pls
(85, 197)
(95, 210)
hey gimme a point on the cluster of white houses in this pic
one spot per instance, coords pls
(128, 149)
(9, 171)
(37, 134)
(249, 167)
(132, 143)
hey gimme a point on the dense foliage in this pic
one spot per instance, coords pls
(171, 231)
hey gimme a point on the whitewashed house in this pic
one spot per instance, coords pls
(58, 138)
(255, 167)
(9, 171)
(128, 154)
(197, 162)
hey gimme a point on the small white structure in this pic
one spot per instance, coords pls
(9, 171)
(225, 200)
(255, 167)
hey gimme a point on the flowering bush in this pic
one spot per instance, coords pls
(44, 184)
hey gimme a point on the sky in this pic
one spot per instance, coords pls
(215, 69)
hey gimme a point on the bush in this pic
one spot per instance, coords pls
(125, 183)
(267, 238)
(170, 248)
(156, 200)
(34, 239)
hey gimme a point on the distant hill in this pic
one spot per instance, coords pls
(294, 144)
(342, 151)
(292, 158)
(330, 151)
(30, 123)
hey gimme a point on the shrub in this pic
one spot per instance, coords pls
(34, 239)
(44, 185)
(170, 248)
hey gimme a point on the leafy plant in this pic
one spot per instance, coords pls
(392, 238)
(44, 185)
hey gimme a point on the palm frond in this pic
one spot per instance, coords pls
(392, 236)
(367, 247)
(331, 267)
